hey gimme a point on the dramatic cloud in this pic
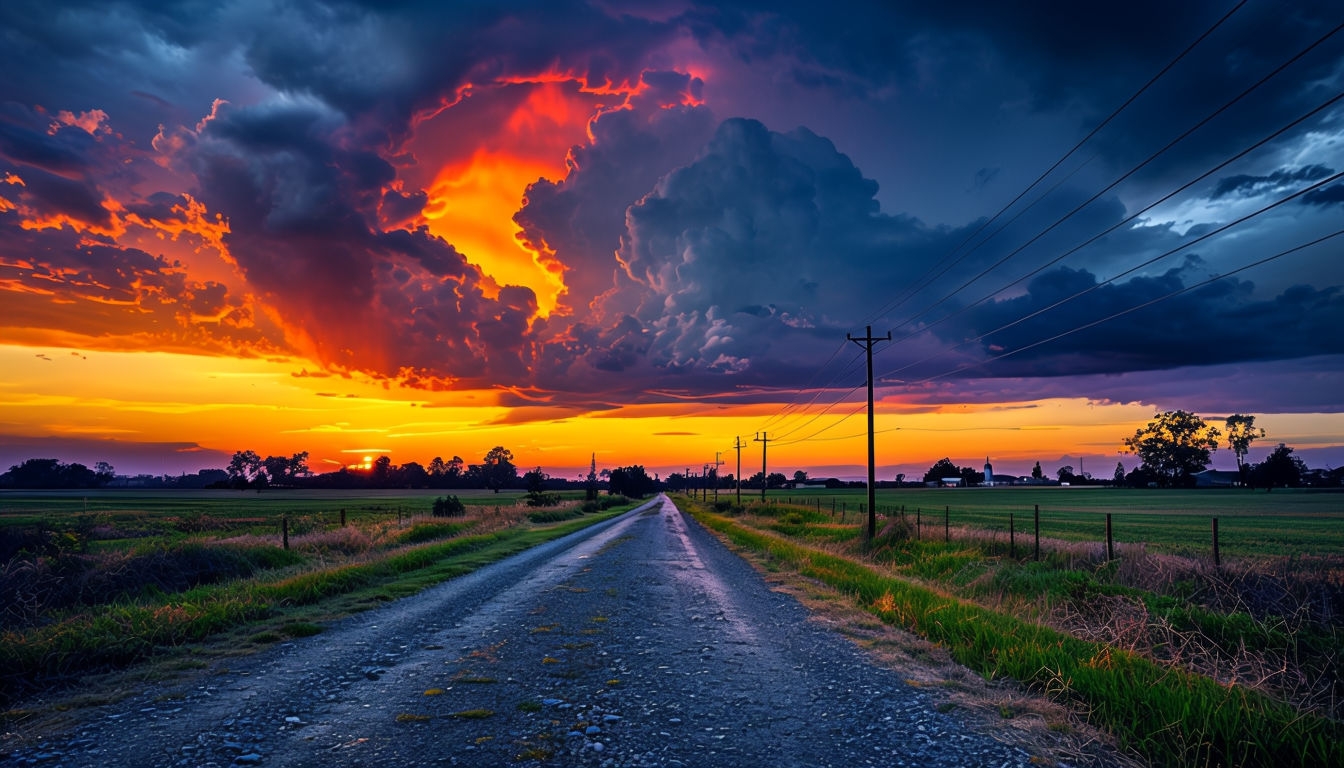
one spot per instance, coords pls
(584, 204)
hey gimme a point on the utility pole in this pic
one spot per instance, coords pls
(718, 462)
(764, 440)
(688, 481)
(867, 343)
(704, 485)
(737, 443)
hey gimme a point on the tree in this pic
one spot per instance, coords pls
(1119, 478)
(381, 473)
(971, 476)
(413, 475)
(243, 468)
(1241, 432)
(1037, 473)
(632, 481)
(497, 469)
(1065, 474)
(1280, 468)
(800, 476)
(940, 469)
(283, 469)
(437, 467)
(535, 480)
(775, 480)
(1174, 446)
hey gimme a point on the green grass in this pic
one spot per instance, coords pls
(1251, 523)
(1168, 715)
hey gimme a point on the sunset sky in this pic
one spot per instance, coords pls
(644, 230)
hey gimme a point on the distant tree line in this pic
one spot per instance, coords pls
(51, 473)
(1172, 448)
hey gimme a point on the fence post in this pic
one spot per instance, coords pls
(342, 518)
(1012, 540)
(1110, 545)
(919, 534)
(1217, 561)
(947, 530)
(284, 530)
(1037, 517)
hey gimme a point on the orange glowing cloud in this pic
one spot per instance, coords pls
(522, 132)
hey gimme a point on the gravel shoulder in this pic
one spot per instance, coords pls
(641, 641)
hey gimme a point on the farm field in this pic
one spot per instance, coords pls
(1251, 523)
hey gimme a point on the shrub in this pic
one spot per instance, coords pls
(542, 499)
(450, 506)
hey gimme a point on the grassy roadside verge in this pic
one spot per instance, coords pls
(123, 633)
(1169, 716)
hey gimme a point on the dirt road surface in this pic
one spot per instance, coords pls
(641, 641)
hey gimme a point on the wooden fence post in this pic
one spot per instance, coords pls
(947, 530)
(918, 523)
(1217, 561)
(284, 530)
(1110, 544)
(1036, 516)
(342, 518)
(1012, 540)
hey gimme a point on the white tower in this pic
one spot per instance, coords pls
(989, 472)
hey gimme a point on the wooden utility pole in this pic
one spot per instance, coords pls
(867, 343)
(718, 462)
(764, 440)
(737, 443)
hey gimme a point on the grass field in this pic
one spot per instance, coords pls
(1250, 524)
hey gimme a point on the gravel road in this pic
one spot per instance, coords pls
(641, 641)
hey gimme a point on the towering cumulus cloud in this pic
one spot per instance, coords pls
(591, 203)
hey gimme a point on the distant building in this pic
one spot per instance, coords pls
(950, 481)
(1216, 478)
(991, 479)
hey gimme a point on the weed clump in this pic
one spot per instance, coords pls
(449, 506)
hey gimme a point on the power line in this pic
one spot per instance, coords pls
(1128, 219)
(1149, 303)
(922, 283)
(1227, 105)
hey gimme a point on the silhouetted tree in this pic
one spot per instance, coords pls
(1037, 473)
(244, 468)
(412, 475)
(497, 469)
(800, 476)
(1280, 468)
(1119, 478)
(632, 481)
(940, 469)
(1241, 432)
(1174, 446)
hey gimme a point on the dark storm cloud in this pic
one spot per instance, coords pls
(1326, 196)
(1219, 323)
(1244, 185)
(580, 219)
(304, 231)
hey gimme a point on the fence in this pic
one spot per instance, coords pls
(1192, 534)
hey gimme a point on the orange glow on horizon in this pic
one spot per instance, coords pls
(228, 404)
